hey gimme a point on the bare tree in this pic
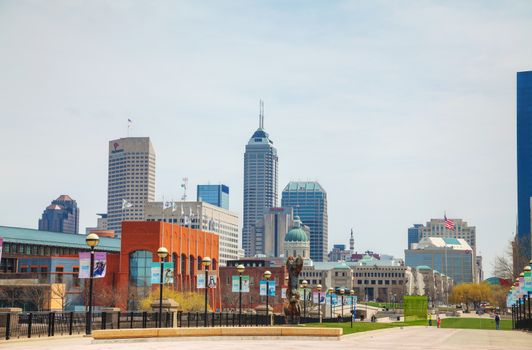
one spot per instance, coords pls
(38, 295)
(9, 295)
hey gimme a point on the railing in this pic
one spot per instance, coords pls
(522, 315)
(49, 324)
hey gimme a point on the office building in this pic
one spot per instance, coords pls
(201, 216)
(309, 202)
(436, 228)
(101, 224)
(339, 253)
(214, 194)
(414, 234)
(268, 234)
(450, 256)
(524, 165)
(131, 181)
(260, 181)
(61, 216)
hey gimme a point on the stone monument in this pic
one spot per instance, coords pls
(292, 309)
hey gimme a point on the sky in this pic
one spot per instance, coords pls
(402, 110)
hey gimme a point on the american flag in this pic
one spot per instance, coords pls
(449, 224)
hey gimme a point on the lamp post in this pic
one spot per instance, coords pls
(331, 290)
(206, 262)
(267, 275)
(304, 285)
(318, 288)
(162, 253)
(240, 268)
(92, 241)
(342, 292)
(352, 294)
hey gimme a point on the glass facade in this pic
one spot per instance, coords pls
(140, 271)
(414, 235)
(456, 264)
(309, 202)
(214, 194)
(524, 158)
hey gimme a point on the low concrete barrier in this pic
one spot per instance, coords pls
(216, 332)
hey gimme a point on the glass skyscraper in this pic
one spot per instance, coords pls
(214, 194)
(524, 160)
(61, 216)
(309, 202)
(260, 182)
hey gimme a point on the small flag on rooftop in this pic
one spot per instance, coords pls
(449, 224)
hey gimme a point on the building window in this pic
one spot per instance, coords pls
(59, 274)
(140, 272)
(75, 278)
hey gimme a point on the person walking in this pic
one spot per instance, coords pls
(497, 321)
(438, 321)
(430, 320)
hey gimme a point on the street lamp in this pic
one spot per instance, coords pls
(267, 275)
(162, 253)
(206, 262)
(352, 294)
(331, 290)
(318, 288)
(240, 268)
(342, 291)
(304, 285)
(92, 241)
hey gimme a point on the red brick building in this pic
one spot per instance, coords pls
(186, 247)
(254, 268)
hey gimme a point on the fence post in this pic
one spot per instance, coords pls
(30, 322)
(8, 326)
(52, 314)
(197, 319)
(213, 319)
(188, 319)
(144, 319)
(118, 321)
(49, 324)
(104, 320)
(71, 323)
(131, 319)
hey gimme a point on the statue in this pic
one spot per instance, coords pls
(292, 309)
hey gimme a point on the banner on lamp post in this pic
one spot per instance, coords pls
(271, 288)
(168, 272)
(235, 285)
(212, 282)
(100, 265)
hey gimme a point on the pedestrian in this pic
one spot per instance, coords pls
(497, 321)
(430, 320)
(439, 321)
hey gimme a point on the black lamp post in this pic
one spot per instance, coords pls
(206, 262)
(318, 288)
(352, 294)
(240, 268)
(267, 275)
(331, 290)
(92, 241)
(342, 292)
(304, 285)
(162, 253)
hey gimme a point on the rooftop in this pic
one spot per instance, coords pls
(56, 239)
(304, 186)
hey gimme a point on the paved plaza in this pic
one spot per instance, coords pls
(396, 338)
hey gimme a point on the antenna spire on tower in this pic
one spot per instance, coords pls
(261, 114)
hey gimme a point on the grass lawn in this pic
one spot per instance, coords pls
(473, 323)
(468, 323)
(366, 326)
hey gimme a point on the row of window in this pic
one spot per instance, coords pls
(380, 282)
(29, 249)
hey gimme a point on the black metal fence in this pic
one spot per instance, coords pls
(49, 324)
(522, 315)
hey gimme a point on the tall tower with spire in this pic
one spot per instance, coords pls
(260, 183)
(352, 243)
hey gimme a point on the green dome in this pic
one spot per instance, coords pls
(296, 234)
(423, 267)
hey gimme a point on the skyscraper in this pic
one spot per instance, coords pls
(260, 180)
(61, 216)
(131, 180)
(524, 162)
(309, 202)
(214, 194)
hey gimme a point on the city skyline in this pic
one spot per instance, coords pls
(397, 114)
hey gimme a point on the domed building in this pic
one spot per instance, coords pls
(296, 241)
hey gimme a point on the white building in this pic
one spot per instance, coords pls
(131, 177)
(202, 216)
